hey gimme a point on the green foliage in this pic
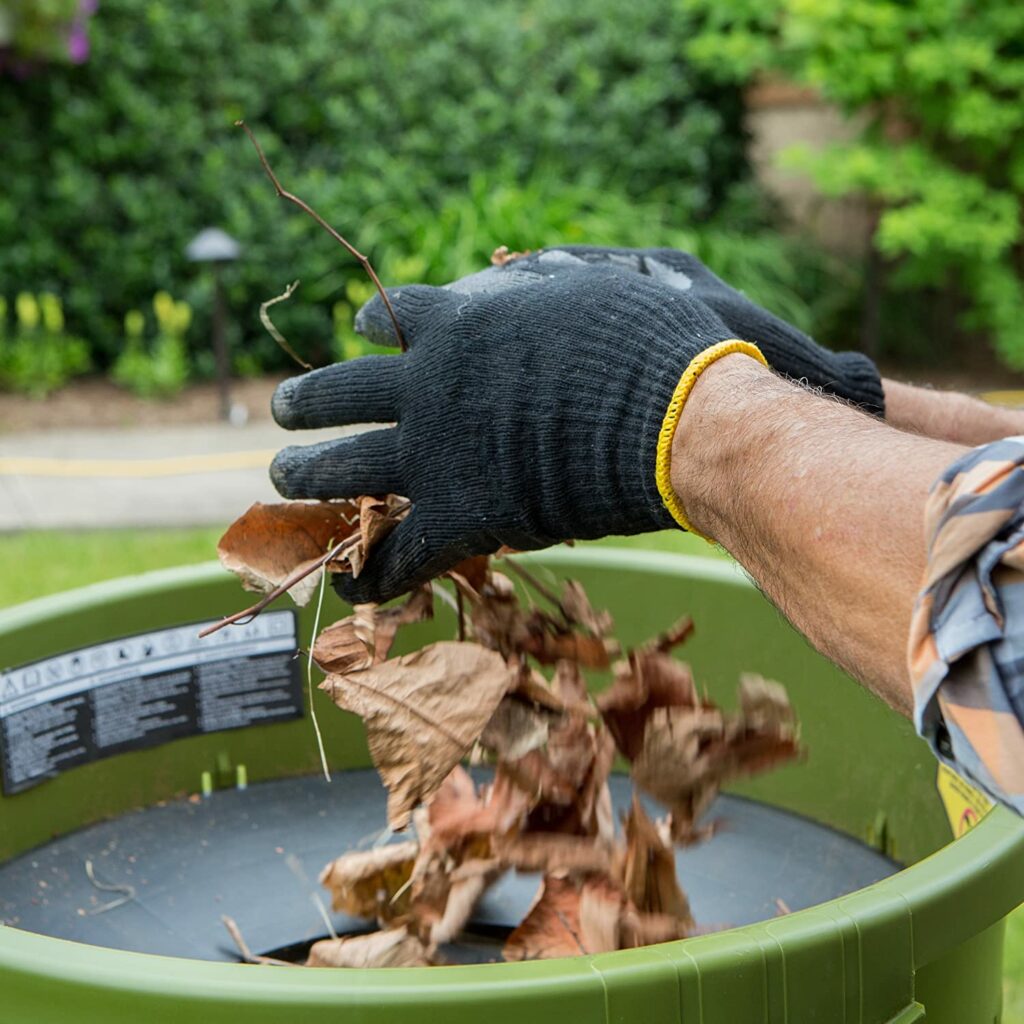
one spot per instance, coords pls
(939, 88)
(35, 30)
(384, 115)
(159, 370)
(39, 356)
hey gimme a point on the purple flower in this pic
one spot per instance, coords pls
(78, 44)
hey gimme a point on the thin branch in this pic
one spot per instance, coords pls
(340, 239)
(250, 613)
(273, 331)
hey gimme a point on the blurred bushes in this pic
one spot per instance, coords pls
(940, 90)
(428, 132)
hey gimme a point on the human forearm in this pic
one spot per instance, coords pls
(947, 415)
(821, 504)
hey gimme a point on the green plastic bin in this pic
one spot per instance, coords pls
(923, 945)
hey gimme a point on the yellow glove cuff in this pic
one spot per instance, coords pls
(663, 466)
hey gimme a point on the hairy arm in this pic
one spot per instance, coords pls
(947, 415)
(821, 504)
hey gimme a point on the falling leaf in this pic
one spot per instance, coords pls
(601, 907)
(268, 543)
(677, 633)
(364, 638)
(395, 947)
(531, 686)
(364, 882)
(463, 897)
(422, 713)
(553, 851)
(687, 753)
(679, 762)
(649, 681)
(551, 927)
(649, 870)
(515, 729)
(577, 609)
(542, 639)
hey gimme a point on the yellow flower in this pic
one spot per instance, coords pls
(27, 311)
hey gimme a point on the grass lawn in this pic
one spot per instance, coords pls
(40, 563)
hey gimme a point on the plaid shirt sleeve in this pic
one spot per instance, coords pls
(966, 649)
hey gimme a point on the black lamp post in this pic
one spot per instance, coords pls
(217, 247)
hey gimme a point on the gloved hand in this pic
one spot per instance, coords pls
(523, 416)
(788, 350)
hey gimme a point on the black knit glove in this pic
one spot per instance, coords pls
(524, 416)
(788, 350)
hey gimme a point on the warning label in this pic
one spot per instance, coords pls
(144, 690)
(965, 805)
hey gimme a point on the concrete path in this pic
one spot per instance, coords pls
(199, 475)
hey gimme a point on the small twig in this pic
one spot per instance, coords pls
(273, 331)
(250, 613)
(367, 266)
(127, 890)
(243, 947)
(782, 906)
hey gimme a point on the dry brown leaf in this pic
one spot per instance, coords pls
(578, 610)
(552, 925)
(677, 633)
(545, 641)
(395, 947)
(649, 871)
(469, 882)
(515, 729)
(473, 571)
(364, 882)
(462, 822)
(422, 713)
(648, 681)
(268, 543)
(679, 763)
(350, 644)
(688, 753)
(530, 685)
(553, 851)
(501, 255)
(571, 687)
(377, 519)
(637, 929)
(601, 907)
(364, 638)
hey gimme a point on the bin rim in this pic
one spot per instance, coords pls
(968, 882)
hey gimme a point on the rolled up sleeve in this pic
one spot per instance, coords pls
(966, 649)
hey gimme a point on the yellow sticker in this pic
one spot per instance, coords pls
(965, 805)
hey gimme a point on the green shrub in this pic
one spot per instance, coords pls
(40, 356)
(940, 90)
(160, 370)
(389, 116)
